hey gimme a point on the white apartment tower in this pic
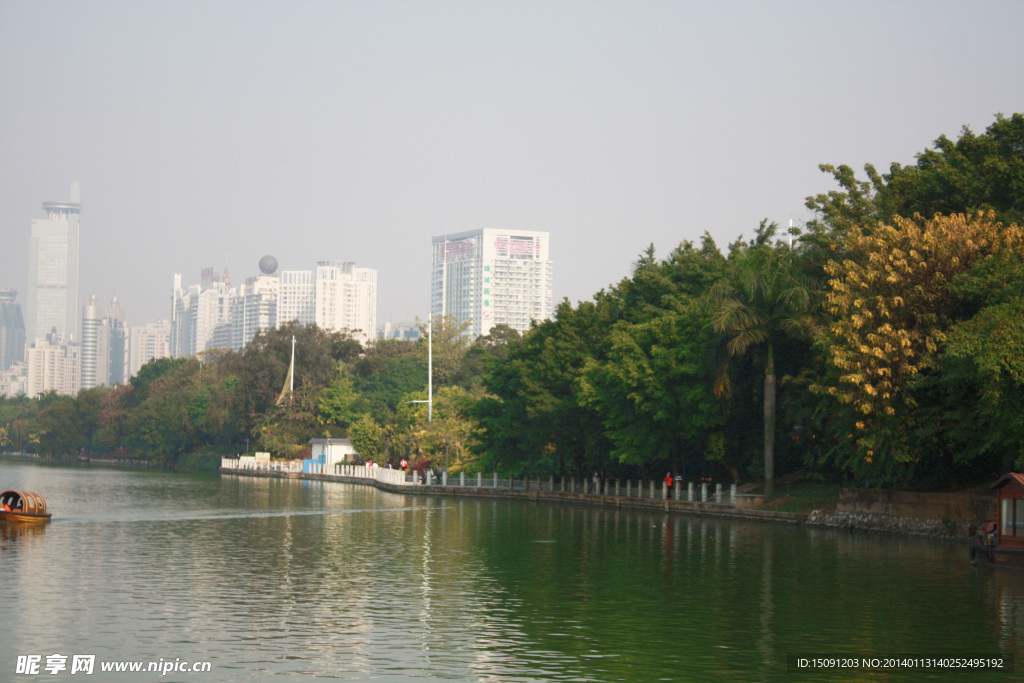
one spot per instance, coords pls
(346, 299)
(147, 343)
(53, 365)
(492, 277)
(259, 300)
(296, 297)
(52, 297)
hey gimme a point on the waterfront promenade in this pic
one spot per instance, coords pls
(650, 495)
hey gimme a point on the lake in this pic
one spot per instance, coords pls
(291, 580)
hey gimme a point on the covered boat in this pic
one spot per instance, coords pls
(22, 506)
(1002, 542)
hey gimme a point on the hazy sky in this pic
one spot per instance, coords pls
(208, 131)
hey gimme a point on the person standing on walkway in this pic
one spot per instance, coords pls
(668, 485)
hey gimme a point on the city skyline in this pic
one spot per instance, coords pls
(227, 130)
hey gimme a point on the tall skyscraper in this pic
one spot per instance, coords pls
(52, 297)
(492, 277)
(95, 342)
(103, 344)
(12, 329)
(117, 364)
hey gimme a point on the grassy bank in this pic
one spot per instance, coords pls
(804, 496)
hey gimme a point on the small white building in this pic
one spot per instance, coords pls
(331, 452)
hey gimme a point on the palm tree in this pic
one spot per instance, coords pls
(763, 302)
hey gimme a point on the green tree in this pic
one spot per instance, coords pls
(89, 404)
(653, 390)
(60, 427)
(447, 343)
(982, 382)
(449, 435)
(388, 371)
(338, 404)
(531, 420)
(285, 429)
(263, 365)
(368, 439)
(161, 428)
(898, 296)
(974, 173)
(20, 433)
(20, 416)
(763, 302)
(491, 345)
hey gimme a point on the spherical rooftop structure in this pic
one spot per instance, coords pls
(268, 265)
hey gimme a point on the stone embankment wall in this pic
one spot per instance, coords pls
(947, 515)
(937, 515)
(710, 509)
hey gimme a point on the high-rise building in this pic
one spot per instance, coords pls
(296, 297)
(147, 343)
(103, 344)
(213, 314)
(14, 380)
(492, 277)
(213, 320)
(118, 349)
(12, 329)
(54, 365)
(346, 299)
(52, 297)
(95, 344)
(259, 300)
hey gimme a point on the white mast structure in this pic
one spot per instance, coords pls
(291, 370)
(430, 369)
(289, 382)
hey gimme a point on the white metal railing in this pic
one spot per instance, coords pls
(249, 463)
(694, 493)
(650, 489)
(381, 474)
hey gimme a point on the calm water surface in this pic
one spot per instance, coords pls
(289, 580)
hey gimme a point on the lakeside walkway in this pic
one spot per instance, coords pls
(613, 493)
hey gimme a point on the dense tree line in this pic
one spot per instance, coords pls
(883, 343)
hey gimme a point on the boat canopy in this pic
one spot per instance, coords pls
(24, 501)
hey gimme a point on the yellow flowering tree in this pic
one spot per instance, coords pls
(892, 307)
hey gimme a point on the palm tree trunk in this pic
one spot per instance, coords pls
(769, 437)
